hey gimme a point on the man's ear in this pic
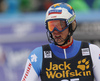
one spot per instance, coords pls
(74, 25)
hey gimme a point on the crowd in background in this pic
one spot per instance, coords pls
(41, 5)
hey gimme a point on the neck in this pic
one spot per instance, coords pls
(69, 43)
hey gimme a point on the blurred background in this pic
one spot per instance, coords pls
(22, 29)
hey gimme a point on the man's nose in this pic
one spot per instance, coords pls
(55, 31)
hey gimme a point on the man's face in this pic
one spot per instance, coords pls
(59, 30)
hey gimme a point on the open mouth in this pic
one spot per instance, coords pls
(58, 36)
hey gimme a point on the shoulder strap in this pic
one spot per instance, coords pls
(85, 45)
(47, 52)
(46, 47)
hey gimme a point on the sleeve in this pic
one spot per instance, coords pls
(95, 55)
(33, 66)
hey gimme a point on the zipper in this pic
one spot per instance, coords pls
(65, 53)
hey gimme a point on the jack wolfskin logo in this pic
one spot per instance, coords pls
(83, 64)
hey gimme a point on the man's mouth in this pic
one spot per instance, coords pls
(58, 36)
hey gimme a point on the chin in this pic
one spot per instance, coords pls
(59, 43)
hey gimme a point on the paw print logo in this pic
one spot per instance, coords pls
(83, 64)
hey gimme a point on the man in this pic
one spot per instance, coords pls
(64, 59)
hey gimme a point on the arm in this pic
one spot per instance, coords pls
(95, 55)
(33, 66)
